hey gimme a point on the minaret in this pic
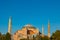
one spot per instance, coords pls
(42, 31)
(9, 25)
(48, 29)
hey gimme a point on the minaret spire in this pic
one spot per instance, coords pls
(48, 29)
(10, 25)
(42, 31)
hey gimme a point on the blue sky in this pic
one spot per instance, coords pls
(35, 12)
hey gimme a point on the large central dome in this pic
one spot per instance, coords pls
(29, 26)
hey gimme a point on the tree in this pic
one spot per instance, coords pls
(38, 37)
(8, 36)
(34, 37)
(3, 37)
(45, 38)
(0, 36)
(56, 35)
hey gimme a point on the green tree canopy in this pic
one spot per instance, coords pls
(56, 35)
(8, 36)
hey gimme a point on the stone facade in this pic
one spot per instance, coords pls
(27, 30)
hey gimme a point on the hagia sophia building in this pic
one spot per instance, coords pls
(26, 31)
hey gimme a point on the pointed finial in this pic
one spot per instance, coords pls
(48, 22)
